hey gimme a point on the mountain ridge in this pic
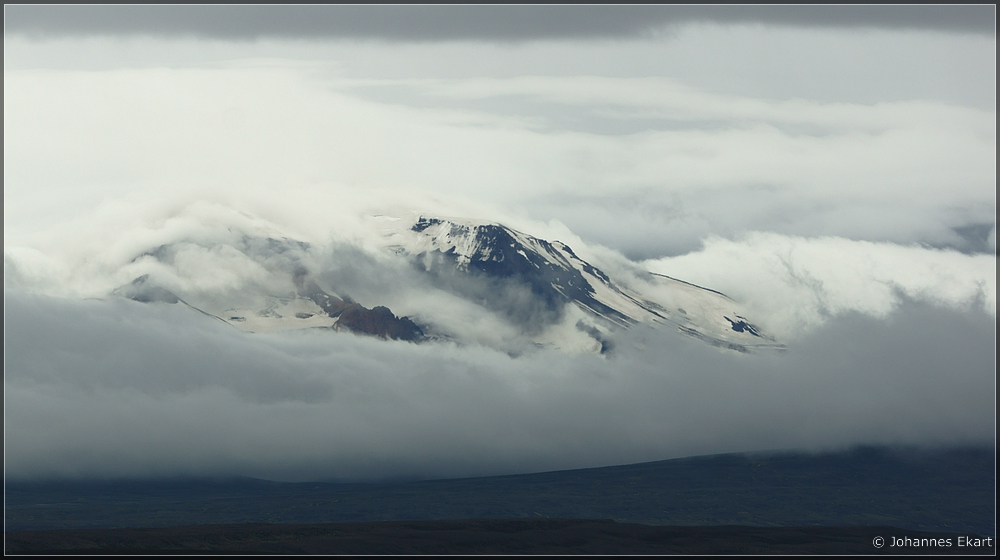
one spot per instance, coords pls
(542, 287)
(554, 270)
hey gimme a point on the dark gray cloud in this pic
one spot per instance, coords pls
(493, 22)
(975, 238)
(118, 388)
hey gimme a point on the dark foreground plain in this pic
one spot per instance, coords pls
(758, 500)
(491, 536)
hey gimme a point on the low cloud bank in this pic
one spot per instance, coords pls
(107, 388)
(792, 284)
(202, 250)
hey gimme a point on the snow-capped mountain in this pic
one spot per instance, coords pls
(557, 276)
(541, 288)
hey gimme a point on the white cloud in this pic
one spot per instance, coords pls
(793, 284)
(118, 388)
(797, 171)
(902, 172)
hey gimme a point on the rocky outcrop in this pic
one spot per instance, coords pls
(354, 317)
(378, 321)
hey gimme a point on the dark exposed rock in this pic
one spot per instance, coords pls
(742, 325)
(332, 306)
(498, 255)
(378, 321)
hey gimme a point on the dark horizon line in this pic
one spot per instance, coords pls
(757, 454)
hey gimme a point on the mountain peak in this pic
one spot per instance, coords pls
(556, 274)
(541, 289)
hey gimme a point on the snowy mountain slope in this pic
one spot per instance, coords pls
(556, 274)
(274, 293)
(541, 289)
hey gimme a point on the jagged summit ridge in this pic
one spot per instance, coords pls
(551, 270)
(554, 272)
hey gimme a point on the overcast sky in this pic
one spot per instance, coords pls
(493, 22)
(831, 168)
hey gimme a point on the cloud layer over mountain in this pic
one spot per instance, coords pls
(173, 393)
(887, 345)
(835, 176)
(696, 163)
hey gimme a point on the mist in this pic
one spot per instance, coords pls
(116, 388)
